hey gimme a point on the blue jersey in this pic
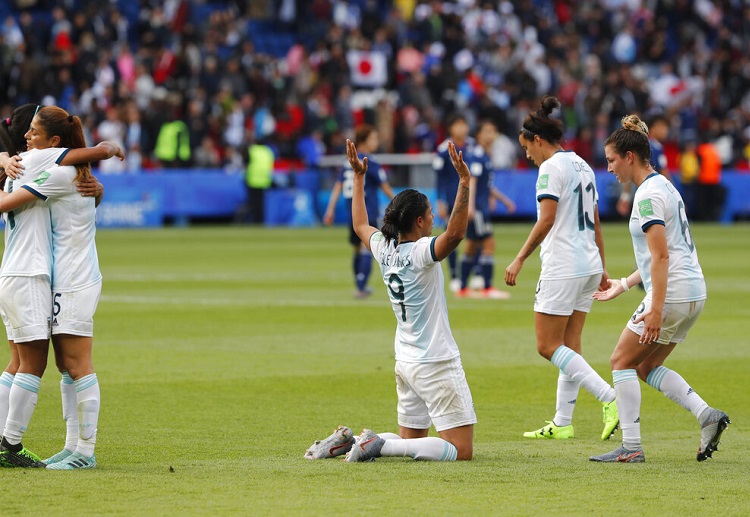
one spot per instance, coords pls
(481, 169)
(447, 178)
(374, 178)
(658, 159)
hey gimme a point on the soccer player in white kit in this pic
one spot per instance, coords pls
(430, 381)
(27, 302)
(675, 294)
(572, 254)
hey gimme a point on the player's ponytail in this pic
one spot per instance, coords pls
(633, 137)
(402, 212)
(56, 121)
(541, 124)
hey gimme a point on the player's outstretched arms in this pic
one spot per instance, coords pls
(360, 221)
(459, 219)
(102, 151)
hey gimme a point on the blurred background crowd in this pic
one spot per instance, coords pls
(194, 83)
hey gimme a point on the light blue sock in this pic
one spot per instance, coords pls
(628, 389)
(676, 389)
(579, 370)
(21, 403)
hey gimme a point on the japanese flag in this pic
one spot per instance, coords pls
(367, 68)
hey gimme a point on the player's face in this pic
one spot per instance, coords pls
(617, 164)
(372, 142)
(533, 150)
(487, 135)
(36, 137)
(459, 131)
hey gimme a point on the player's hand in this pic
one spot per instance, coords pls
(458, 162)
(328, 218)
(651, 326)
(90, 187)
(359, 167)
(510, 206)
(604, 282)
(12, 165)
(611, 289)
(511, 272)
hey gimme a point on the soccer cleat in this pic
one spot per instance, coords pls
(340, 442)
(366, 448)
(552, 432)
(463, 293)
(455, 285)
(74, 462)
(495, 294)
(611, 419)
(23, 458)
(362, 294)
(57, 457)
(621, 455)
(711, 430)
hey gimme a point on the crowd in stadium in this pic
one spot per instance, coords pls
(193, 83)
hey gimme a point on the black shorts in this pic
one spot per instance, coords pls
(480, 227)
(354, 239)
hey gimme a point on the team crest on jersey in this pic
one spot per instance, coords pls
(645, 208)
(378, 237)
(543, 181)
(42, 178)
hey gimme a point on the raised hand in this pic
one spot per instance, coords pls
(359, 167)
(458, 162)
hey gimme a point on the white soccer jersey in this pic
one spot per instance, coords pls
(28, 234)
(657, 202)
(415, 284)
(73, 217)
(569, 250)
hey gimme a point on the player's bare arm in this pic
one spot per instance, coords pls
(547, 211)
(360, 221)
(459, 218)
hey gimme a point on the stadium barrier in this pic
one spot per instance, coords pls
(182, 196)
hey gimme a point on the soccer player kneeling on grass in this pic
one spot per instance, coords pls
(430, 381)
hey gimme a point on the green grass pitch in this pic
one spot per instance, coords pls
(223, 353)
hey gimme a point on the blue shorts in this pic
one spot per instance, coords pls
(480, 227)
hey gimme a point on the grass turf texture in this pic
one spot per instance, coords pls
(223, 353)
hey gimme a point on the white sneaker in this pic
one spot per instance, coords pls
(455, 285)
(476, 283)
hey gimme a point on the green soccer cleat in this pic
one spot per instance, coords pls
(611, 419)
(552, 432)
(75, 461)
(57, 457)
(23, 458)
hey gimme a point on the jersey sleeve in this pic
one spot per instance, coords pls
(423, 252)
(42, 159)
(549, 184)
(650, 210)
(377, 244)
(52, 183)
(475, 163)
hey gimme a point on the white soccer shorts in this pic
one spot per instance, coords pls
(73, 311)
(25, 307)
(433, 393)
(676, 319)
(562, 297)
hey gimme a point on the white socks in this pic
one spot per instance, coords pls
(88, 401)
(6, 382)
(579, 370)
(676, 389)
(70, 411)
(21, 404)
(628, 390)
(567, 393)
(430, 448)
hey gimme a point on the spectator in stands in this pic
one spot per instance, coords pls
(710, 194)
(173, 144)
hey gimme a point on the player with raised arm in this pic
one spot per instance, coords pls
(675, 294)
(30, 262)
(430, 380)
(446, 182)
(572, 254)
(367, 140)
(479, 247)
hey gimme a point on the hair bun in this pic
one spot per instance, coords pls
(634, 123)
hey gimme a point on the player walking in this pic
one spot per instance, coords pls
(572, 254)
(675, 294)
